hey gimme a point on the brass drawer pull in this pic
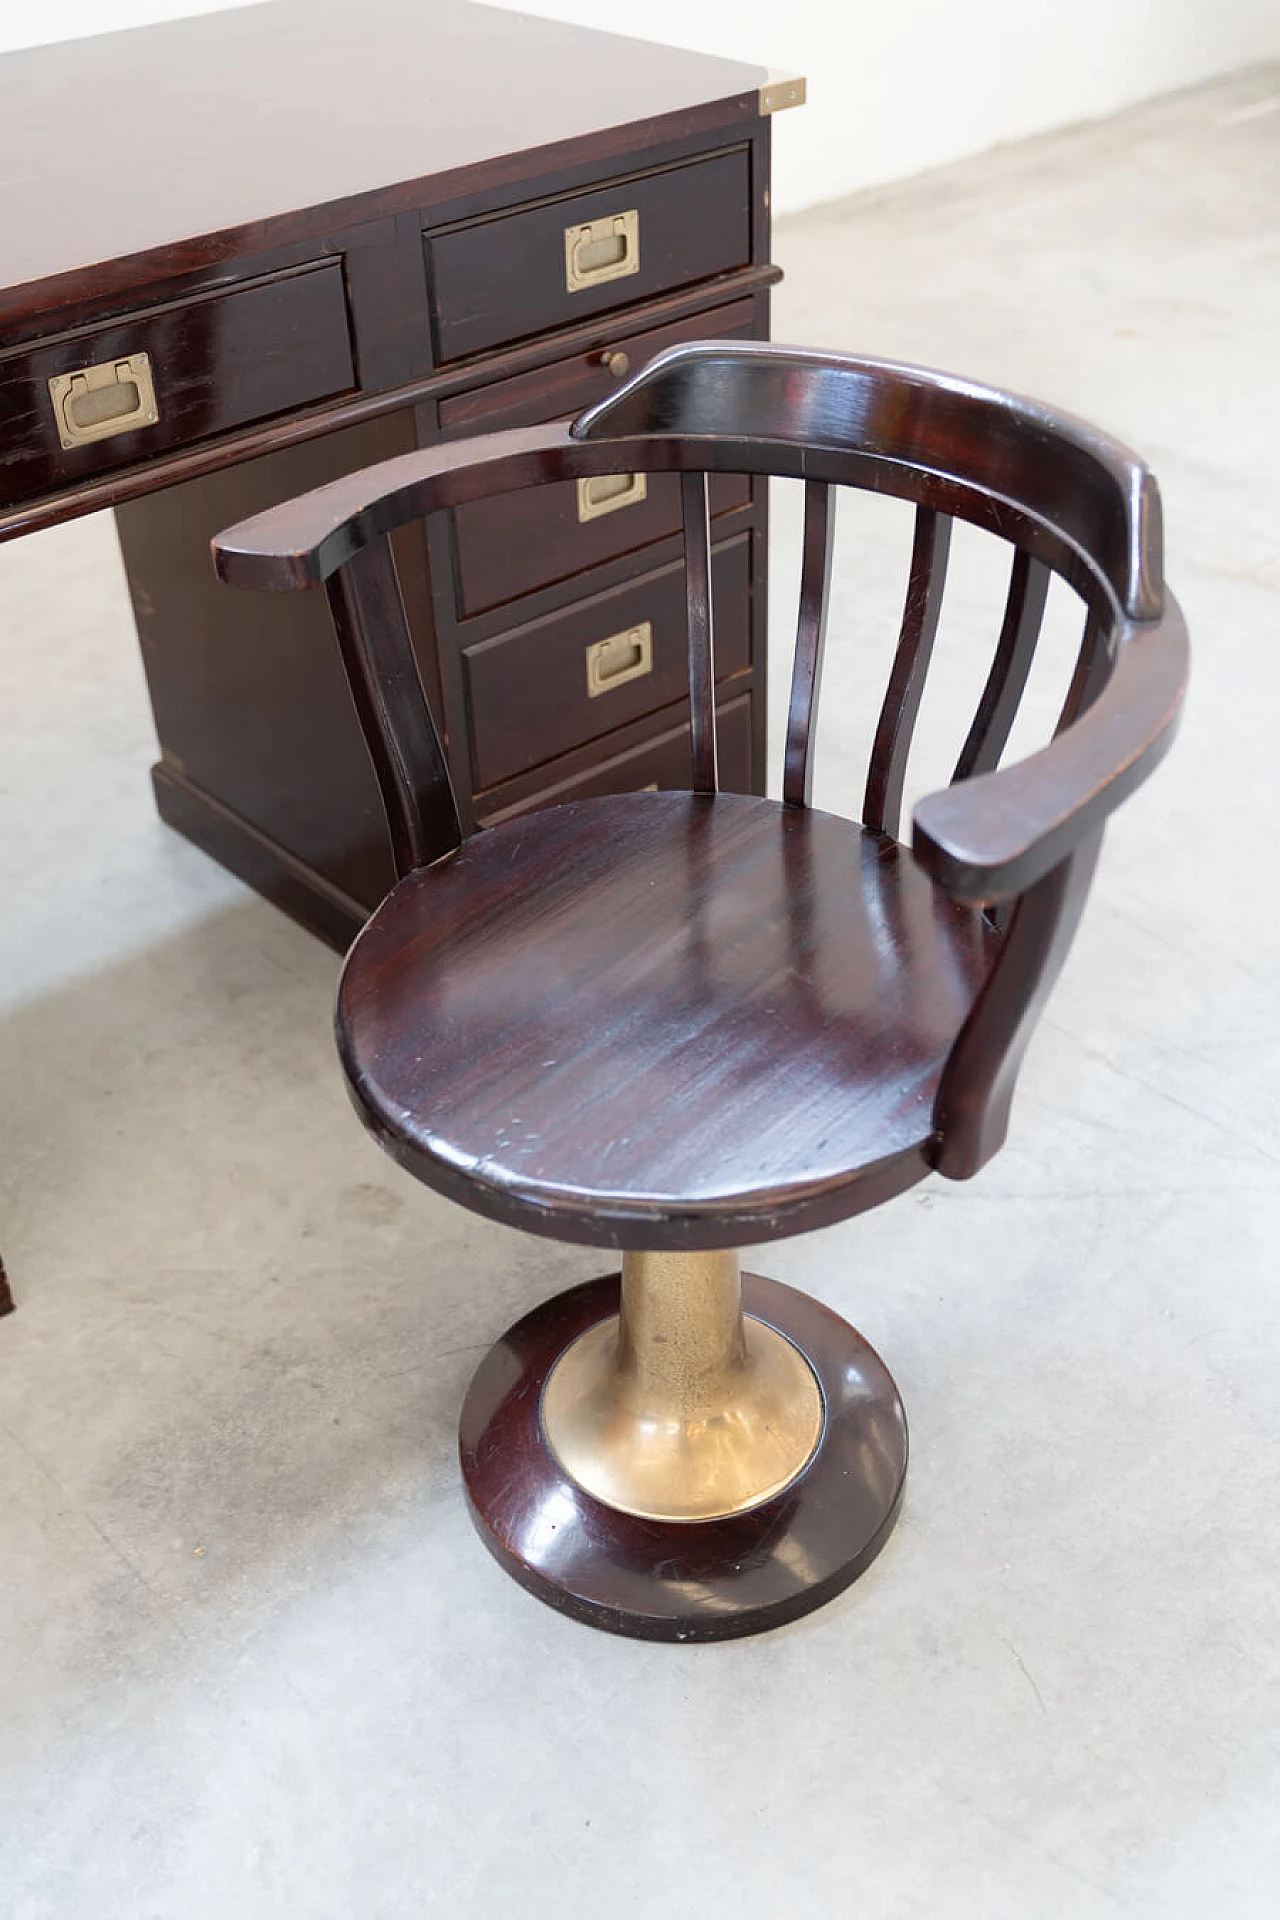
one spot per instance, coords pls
(116, 396)
(623, 656)
(606, 492)
(602, 250)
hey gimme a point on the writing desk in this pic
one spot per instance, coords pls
(249, 252)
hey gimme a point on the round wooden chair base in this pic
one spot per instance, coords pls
(684, 1580)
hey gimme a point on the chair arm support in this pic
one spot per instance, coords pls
(990, 838)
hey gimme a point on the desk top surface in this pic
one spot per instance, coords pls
(128, 143)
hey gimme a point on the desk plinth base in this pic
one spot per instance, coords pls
(680, 1579)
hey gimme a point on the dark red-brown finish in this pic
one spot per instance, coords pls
(408, 760)
(217, 361)
(7, 1301)
(882, 807)
(515, 545)
(584, 372)
(701, 635)
(703, 1020)
(647, 763)
(526, 689)
(296, 252)
(971, 1112)
(951, 447)
(126, 483)
(712, 1580)
(817, 546)
(658, 1020)
(1007, 680)
(695, 221)
(355, 115)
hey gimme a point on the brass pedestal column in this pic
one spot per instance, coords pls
(683, 1452)
(682, 1408)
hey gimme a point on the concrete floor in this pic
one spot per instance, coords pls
(254, 1661)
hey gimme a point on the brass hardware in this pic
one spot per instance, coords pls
(115, 396)
(783, 90)
(651, 788)
(681, 1407)
(621, 657)
(606, 492)
(602, 250)
(616, 362)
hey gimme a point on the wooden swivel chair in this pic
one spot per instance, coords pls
(679, 1023)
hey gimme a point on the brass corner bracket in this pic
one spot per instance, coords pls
(783, 90)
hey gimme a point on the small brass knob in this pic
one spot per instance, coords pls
(617, 363)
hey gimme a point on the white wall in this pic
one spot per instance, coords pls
(895, 86)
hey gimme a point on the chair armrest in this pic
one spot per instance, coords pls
(990, 838)
(303, 541)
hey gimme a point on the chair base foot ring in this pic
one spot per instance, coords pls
(684, 1580)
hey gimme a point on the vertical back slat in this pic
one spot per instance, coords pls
(377, 652)
(1007, 680)
(1092, 669)
(883, 804)
(702, 675)
(811, 634)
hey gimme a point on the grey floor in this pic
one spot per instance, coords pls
(254, 1661)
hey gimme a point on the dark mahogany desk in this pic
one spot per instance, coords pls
(246, 253)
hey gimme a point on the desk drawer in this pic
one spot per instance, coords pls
(560, 261)
(542, 689)
(518, 542)
(662, 761)
(213, 362)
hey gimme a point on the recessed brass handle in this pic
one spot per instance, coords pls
(622, 657)
(115, 396)
(606, 492)
(601, 250)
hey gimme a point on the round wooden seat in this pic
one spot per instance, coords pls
(662, 1019)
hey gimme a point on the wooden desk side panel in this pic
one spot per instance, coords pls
(250, 701)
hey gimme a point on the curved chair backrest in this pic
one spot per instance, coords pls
(1067, 499)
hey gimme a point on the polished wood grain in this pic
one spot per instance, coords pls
(1094, 516)
(975, 1094)
(684, 1581)
(683, 1022)
(659, 1020)
(1010, 668)
(1027, 833)
(217, 361)
(523, 386)
(646, 762)
(816, 549)
(408, 759)
(262, 758)
(701, 635)
(373, 242)
(694, 222)
(514, 546)
(926, 581)
(527, 699)
(357, 113)
(122, 486)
